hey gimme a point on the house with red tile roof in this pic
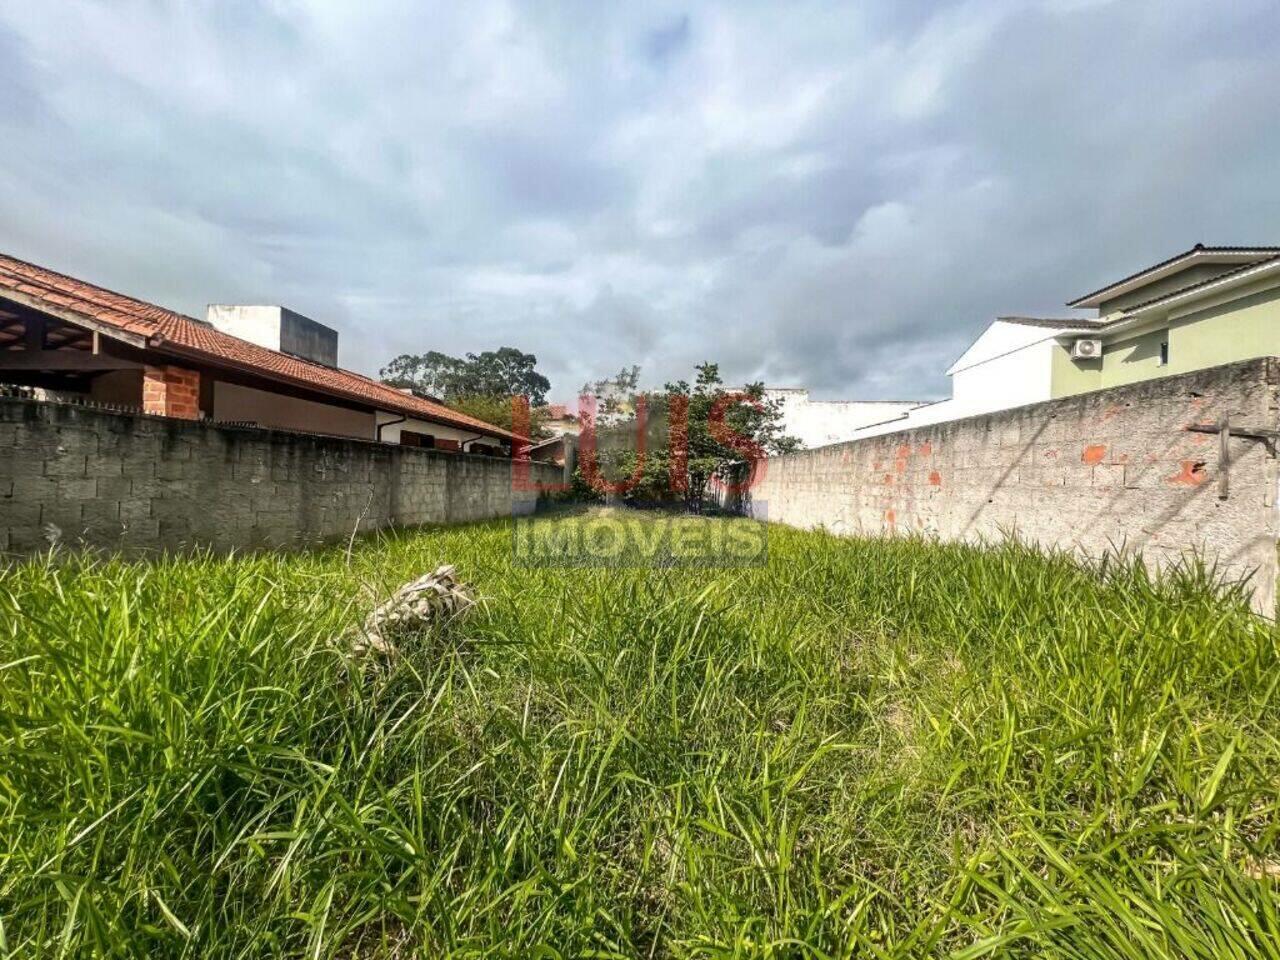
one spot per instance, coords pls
(263, 366)
(558, 420)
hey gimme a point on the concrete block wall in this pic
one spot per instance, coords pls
(141, 483)
(1111, 469)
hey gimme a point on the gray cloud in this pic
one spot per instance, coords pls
(834, 195)
(663, 44)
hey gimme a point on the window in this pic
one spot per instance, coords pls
(411, 438)
(1164, 353)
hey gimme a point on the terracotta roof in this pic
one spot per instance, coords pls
(177, 334)
(1198, 250)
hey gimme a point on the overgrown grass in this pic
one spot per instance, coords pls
(879, 749)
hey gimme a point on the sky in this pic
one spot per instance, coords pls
(838, 196)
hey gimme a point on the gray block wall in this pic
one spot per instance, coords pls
(1111, 469)
(140, 483)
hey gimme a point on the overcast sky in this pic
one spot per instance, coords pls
(833, 195)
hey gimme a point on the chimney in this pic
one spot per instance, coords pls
(278, 328)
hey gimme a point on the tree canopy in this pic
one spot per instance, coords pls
(505, 372)
(499, 412)
(696, 434)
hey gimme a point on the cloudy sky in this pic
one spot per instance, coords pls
(837, 195)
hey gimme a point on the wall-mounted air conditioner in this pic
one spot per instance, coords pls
(1086, 349)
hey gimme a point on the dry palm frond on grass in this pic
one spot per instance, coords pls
(432, 600)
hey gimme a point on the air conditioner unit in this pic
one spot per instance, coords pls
(1086, 349)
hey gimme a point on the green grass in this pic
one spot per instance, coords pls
(868, 749)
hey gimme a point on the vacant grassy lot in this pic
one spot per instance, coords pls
(866, 749)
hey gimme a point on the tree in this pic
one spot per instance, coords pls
(498, 411)
(723, 429)
(709, 432)
(505, 372)
(432, 373)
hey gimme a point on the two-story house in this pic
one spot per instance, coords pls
(1203, 307)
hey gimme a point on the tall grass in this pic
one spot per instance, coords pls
(870, 749)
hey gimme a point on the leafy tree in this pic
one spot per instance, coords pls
(497, 411)
(504, 372)
(723, 428)
(710, 432)
(432, 373)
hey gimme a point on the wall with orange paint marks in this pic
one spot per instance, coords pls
(1113, 469)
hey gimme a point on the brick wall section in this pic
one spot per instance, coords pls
(140, 483)
(1086, 473)
(171, 391)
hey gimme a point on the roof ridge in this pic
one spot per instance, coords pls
(182, 335)
(1243, 268)
(1053, 323)
(93, 287)
(391, 394)
(1198, 248)
(1065, 321)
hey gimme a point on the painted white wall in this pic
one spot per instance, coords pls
(1010, 365)
(391, 432)
(817, 423)
(1010, 379)
(277, 328)
(1000, 338)
(260, 325)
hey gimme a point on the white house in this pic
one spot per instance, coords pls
(1202, 307)
(1009, 365)
(816, 423)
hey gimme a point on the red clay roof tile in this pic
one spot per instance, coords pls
(174, 333)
